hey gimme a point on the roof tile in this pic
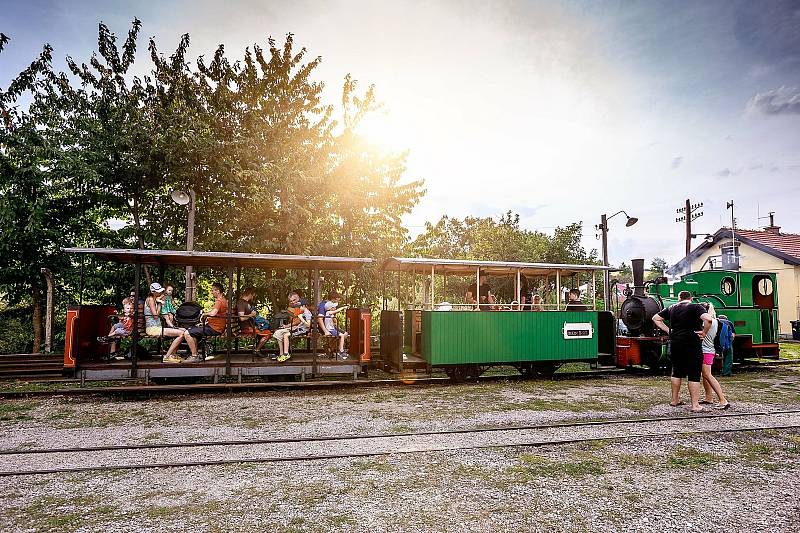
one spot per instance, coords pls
(787, 243)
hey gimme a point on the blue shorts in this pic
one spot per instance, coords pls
(334, 332)
(120, 331)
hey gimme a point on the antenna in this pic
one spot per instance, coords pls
(729, 205)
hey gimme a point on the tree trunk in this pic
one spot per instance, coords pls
(36, 294)
(139, 236)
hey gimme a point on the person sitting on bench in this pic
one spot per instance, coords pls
(120, 329)
(153, 326)
(487, 298)
(326, 311)
(300, 325)
(575, 303)
(215, 326)
(249, 321)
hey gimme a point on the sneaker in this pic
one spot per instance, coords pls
(171, 359)
(118, 356)
(192, 359)
(274, 357)
(283, 357)
(209, 357)
(344, 356)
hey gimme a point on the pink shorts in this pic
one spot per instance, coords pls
(708, 358)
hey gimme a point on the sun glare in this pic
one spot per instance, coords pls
(385, 132)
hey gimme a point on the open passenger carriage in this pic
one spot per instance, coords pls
(84, 356)
(420, 334)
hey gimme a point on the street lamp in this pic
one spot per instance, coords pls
(706, 237)
(187, 198)
(603, 227)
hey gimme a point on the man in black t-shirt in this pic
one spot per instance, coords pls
(688, 325)
(486, 296)
(574, 303)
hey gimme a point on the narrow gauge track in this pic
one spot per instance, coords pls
(201, 388)
(405, 450)
(196, 388)
(193, 388)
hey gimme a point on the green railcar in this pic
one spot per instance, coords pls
(464, 339)
(748, 299)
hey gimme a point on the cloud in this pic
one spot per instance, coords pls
(528, 211)
(676, 162)
(781, 101)
(726, 173)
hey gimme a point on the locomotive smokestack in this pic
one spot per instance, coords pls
(637, 265)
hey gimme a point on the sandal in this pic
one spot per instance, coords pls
(677, 404)
(705, 402)
(721, 407)
(701, 410)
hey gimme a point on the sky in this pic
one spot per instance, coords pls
(559, 111)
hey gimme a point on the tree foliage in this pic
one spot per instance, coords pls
(500, 240)
(274, 168)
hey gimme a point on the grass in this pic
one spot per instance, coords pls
(11, 410)
(692, 458)
(533, 466)
(790, 350)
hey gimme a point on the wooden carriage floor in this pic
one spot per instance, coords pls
(237, 360)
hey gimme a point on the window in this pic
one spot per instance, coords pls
(730, 256)
(765, 286)
(728, 286)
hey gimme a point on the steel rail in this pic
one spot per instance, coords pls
(402, 451)
(256, 386)
(333, 438)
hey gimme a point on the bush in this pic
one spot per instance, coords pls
(16, 331)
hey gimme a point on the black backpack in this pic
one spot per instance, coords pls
(188, 314)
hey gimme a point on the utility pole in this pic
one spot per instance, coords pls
(688, 216)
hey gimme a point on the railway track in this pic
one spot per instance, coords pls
(254, 386)
(402, 449)
(199, 388)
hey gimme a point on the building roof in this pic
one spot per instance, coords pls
(785, 246)
(785, 243)
(223, 259)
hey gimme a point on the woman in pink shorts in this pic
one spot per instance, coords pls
(709, 381)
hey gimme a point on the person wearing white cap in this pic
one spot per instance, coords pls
(152, 319)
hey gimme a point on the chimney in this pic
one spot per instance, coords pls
(637, 265)
(772, 228)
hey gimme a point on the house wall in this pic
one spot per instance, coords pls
(753, 259)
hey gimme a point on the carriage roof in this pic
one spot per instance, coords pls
(462, 267)
(223, 259)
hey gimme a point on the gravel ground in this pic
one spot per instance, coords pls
(712, 482)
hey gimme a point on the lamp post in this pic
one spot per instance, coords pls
(603, 227)
(187, 198)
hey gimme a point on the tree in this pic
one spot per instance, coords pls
(274, 168)
(657, 268)
(488, 239)
(624, 273)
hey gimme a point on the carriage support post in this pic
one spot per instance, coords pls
(135, 345)
(228, 331)
(313, 330)
(558, 290)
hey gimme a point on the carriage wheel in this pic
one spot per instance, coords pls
(462, 373)
(527, 370)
